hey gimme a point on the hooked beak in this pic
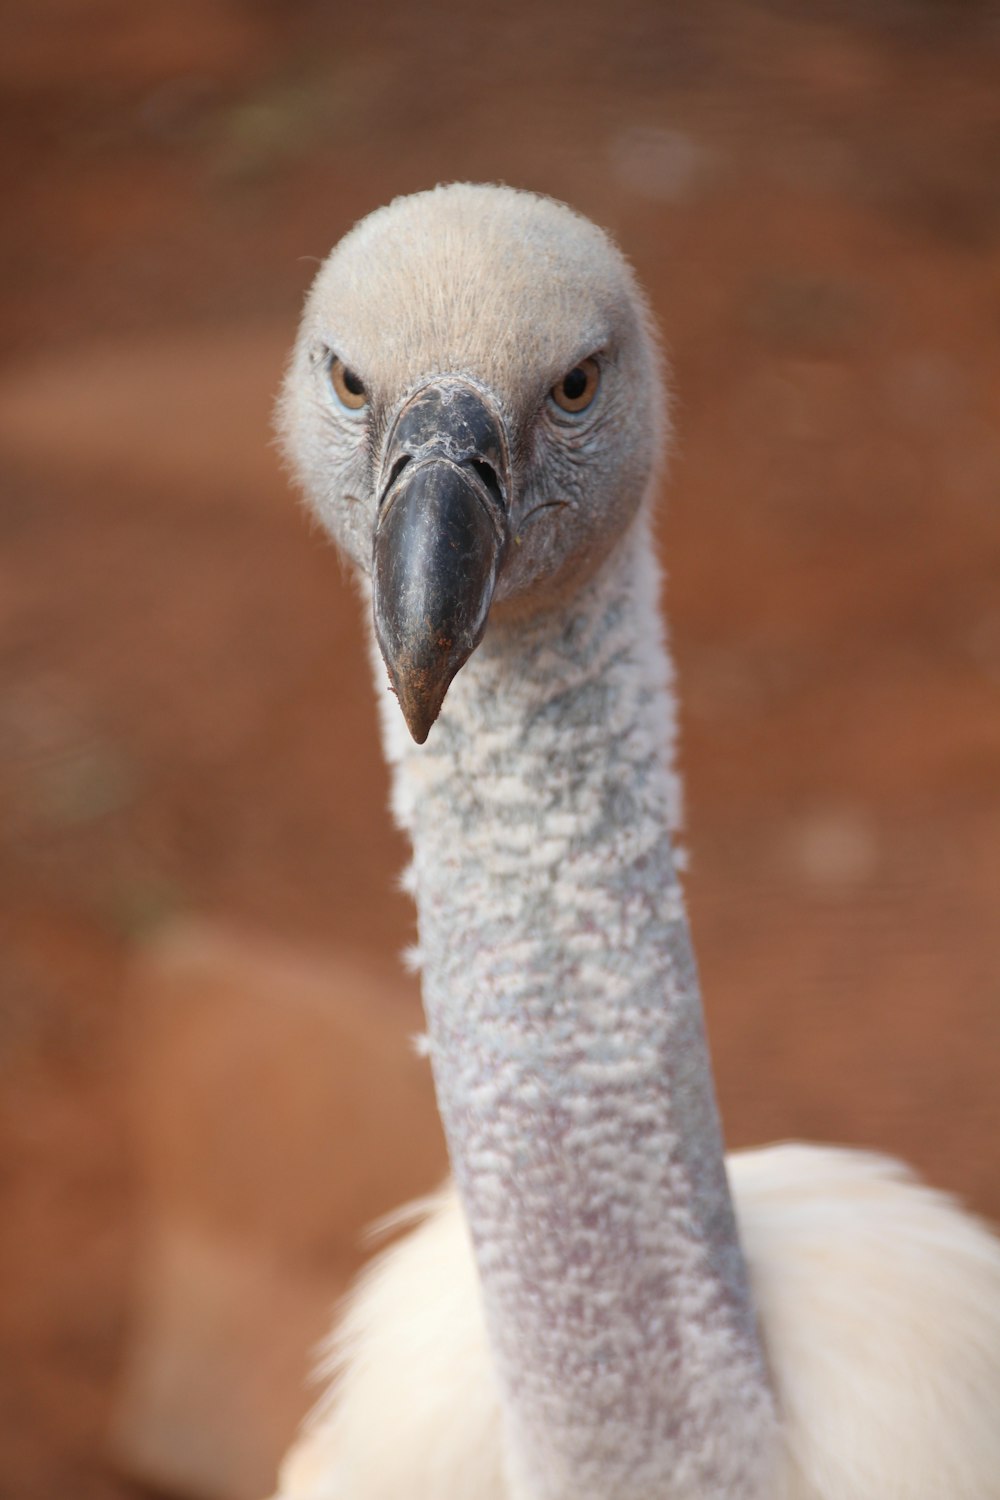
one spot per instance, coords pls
(440, 538)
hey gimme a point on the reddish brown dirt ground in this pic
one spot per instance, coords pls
(812, 195)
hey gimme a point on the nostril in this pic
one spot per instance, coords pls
(488, 475)
(397, 469)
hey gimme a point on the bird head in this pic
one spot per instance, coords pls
(473, 409)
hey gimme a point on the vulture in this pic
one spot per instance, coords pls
(603, 1306)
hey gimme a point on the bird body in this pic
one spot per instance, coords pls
(874, 1295)
(604, 1312)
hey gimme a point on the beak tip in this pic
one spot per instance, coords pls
(418, 721)
(420, 695)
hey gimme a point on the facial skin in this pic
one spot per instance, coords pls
(532, 310)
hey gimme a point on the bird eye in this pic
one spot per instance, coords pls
(578, 386)
(347, 387)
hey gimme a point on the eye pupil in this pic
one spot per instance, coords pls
(353, 382)
(574, 384)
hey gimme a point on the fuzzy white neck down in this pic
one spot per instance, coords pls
(570, 1062)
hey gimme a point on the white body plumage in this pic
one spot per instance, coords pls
(877, 1299)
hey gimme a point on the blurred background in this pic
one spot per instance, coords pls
(206, 1088)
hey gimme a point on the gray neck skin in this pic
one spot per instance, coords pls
(570, 1060)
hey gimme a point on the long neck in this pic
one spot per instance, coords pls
(570, 1060)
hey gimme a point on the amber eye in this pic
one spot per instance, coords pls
(347, 387)
(578, 386)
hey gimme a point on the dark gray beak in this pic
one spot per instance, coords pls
(440, 538)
